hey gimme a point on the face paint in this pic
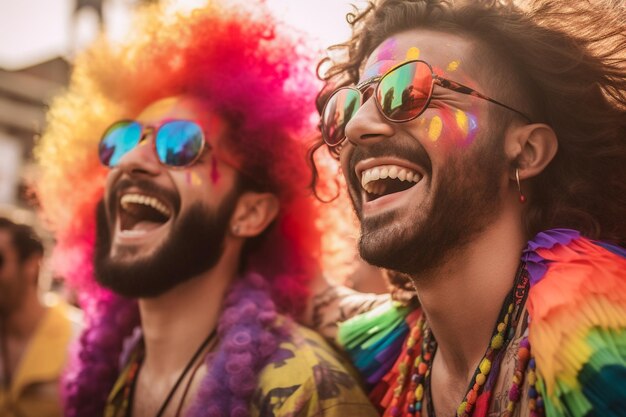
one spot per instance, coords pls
(386, 51)
(434, 129)
(453, 66)
(462, 122)
(196, 179)
(215, 175)
(412, 53)
(472, 125)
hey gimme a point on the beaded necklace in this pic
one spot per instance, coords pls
(504, 332)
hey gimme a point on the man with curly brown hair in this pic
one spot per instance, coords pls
(484, 151)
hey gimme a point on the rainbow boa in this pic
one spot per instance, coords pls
(577, 328)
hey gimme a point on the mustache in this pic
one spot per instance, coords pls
(141, 185)
(408, 149)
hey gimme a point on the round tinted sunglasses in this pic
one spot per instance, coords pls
(177, 143)
(401, 95)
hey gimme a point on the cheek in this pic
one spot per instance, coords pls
(193, 179)
(211, 173)
(451, 128)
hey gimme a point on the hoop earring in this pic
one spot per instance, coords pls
(522, 197)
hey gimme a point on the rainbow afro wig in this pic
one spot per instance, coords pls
(259, 74)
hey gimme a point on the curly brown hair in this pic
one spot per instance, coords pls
(565, 61)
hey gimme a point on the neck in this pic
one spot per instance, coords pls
(463, 297)
(174, 324)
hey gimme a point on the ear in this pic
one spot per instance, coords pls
(253, 214)
(31, 266)
(530, 148)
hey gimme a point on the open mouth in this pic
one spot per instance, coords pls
(384, 180)
(140, 213)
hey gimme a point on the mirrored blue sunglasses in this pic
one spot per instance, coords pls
(177, 143)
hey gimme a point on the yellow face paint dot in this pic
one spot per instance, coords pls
(462, 121)
(412, 53)
(434, 130)
(195, 179)
(452, 66)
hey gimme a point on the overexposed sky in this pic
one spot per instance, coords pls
(32, 31)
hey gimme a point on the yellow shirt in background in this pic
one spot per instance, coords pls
(34, 390)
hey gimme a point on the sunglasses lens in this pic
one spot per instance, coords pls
(179, 143)
(404, 92)
(118, 139)
(339, 109)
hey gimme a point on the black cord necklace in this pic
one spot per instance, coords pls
(185, 371)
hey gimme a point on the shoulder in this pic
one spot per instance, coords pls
(306, 377)
(568, 271)
(577, 331)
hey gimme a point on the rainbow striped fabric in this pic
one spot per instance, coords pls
(577, 328)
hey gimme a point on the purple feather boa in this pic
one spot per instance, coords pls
(249, 334)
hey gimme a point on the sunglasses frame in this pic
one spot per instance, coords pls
(436, 80)
(154, 130)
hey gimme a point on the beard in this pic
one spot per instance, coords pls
(421, 240)
(194, 246)
(13, 295)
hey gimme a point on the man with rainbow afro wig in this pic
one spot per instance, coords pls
(173, 176)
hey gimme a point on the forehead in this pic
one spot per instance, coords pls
(445, 52)
(186, 108)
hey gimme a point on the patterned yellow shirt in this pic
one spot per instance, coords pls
(304, 378)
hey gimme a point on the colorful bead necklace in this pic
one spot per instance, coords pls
(485, 373)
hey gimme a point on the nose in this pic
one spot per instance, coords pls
(368, 126)
(142, 159)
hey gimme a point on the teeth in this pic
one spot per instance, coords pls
(146, 201)
(386, 171)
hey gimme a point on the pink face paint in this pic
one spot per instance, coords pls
(387, 50)
(215, 175)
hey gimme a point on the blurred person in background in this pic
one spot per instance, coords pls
(173, 175)
(34, 337)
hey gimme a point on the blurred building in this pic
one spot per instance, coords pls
(24, 95)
